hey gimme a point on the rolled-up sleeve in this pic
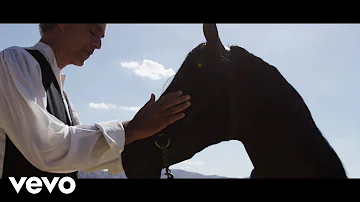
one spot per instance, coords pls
(46, 142)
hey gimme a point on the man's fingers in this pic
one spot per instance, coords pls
(175, 101)
(168, 96)
(152, 98)
(177, 109)
(171, 119)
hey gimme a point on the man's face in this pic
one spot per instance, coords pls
(80, 41)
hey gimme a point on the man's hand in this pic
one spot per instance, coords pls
(154, 116)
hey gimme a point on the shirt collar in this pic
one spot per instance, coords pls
(48, 53)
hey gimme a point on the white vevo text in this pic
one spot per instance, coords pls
(34, 185)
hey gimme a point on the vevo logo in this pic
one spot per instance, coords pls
(34, 184)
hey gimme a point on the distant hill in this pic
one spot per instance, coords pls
(176, 172)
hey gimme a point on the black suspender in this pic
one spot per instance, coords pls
(48, 76)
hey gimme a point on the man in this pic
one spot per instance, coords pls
(40, 131)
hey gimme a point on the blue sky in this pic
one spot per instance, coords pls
(320, 61)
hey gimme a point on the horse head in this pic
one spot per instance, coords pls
(199, 77)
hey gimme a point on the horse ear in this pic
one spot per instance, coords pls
(212, 35)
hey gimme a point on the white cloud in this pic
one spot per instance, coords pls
(101, 106)
(113, 106)
(134, 109)
(130, 65)
(149, 69)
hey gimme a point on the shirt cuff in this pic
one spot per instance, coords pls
(114, 134)
(115, 167)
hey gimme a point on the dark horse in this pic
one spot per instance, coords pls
(237, 96)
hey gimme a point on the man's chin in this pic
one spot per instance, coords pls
(79, 63)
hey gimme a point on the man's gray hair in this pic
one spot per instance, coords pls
(45, 27)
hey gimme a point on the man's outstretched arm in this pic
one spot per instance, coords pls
(52, 146)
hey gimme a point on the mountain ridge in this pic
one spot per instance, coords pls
(178, 173)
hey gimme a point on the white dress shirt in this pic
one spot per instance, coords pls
(44, 140)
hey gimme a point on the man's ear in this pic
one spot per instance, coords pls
(61, 27)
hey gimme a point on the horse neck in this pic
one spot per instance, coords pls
(281, 137)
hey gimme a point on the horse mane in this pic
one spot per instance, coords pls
(293, 101)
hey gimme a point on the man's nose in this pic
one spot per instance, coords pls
(97, 43)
